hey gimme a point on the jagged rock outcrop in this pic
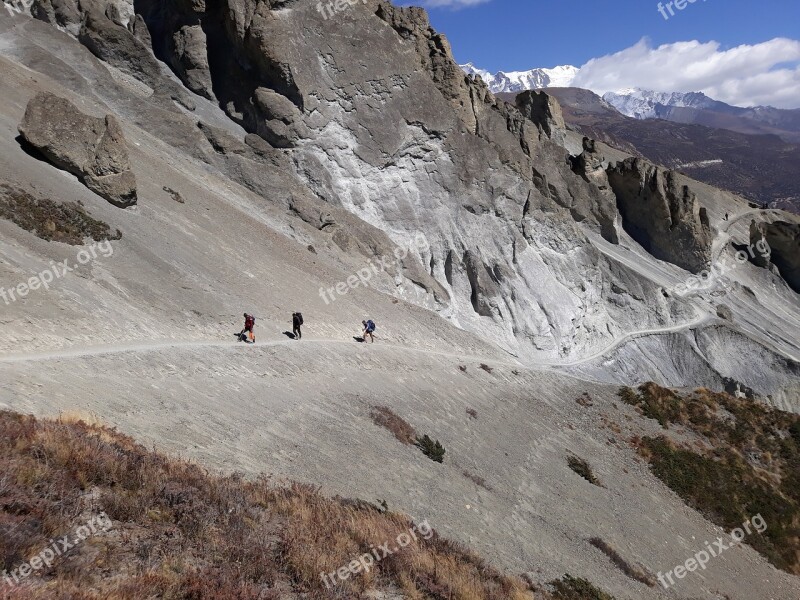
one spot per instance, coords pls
(545, 112)
(783, 238)
(190, 59)
(661, 214)
(92, 148)
(589, 164)
(106, 28)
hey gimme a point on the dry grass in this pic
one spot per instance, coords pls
(746, 462)
(385, 417)
(181, 533)
(51, 221)
(638, 573)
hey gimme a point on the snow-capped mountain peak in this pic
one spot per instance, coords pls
(647, 104)
(518, 81)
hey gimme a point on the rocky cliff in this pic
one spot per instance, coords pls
(664, 216)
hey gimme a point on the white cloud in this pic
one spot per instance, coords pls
(761, 74)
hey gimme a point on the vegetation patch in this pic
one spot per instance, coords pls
(473, 414)
(178, 532)
(750, 464)
(174, 195)
(430, 448)
(388, 419)
(638, 573)
(582, 468)
(477, 480)
(64, 222)
(575, 588)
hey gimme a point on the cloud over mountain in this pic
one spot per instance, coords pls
(761, 74)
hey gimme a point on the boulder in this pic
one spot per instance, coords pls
(661, 214)
(91, 148)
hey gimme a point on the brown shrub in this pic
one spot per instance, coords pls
(638, 573)
(385, 417)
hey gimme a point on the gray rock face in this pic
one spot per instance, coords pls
(64, 13)
(545, 112)
(783, 238)
(106, 28)
(93, 149)
(281, 122)
(662, 215)
(191, 59)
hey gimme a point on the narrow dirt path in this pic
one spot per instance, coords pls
(164, 344)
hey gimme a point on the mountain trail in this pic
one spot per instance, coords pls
(164, 344)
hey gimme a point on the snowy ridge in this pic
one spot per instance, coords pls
(645, 104)
(519, 81)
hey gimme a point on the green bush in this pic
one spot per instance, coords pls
(729, 491)
(582, 468)
(432, 449)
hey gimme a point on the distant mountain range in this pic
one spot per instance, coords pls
(678, 107)
(519, 81)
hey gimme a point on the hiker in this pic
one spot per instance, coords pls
(297, 322)
(726, 216)
(249, 325)
(369, 329)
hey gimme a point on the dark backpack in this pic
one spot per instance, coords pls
(299, 317)
(370, 326)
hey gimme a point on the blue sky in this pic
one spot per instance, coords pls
(744, 52)
(521, 34)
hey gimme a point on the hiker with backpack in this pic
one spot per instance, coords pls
(297, 322)
(249, 326)
(369, 330)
